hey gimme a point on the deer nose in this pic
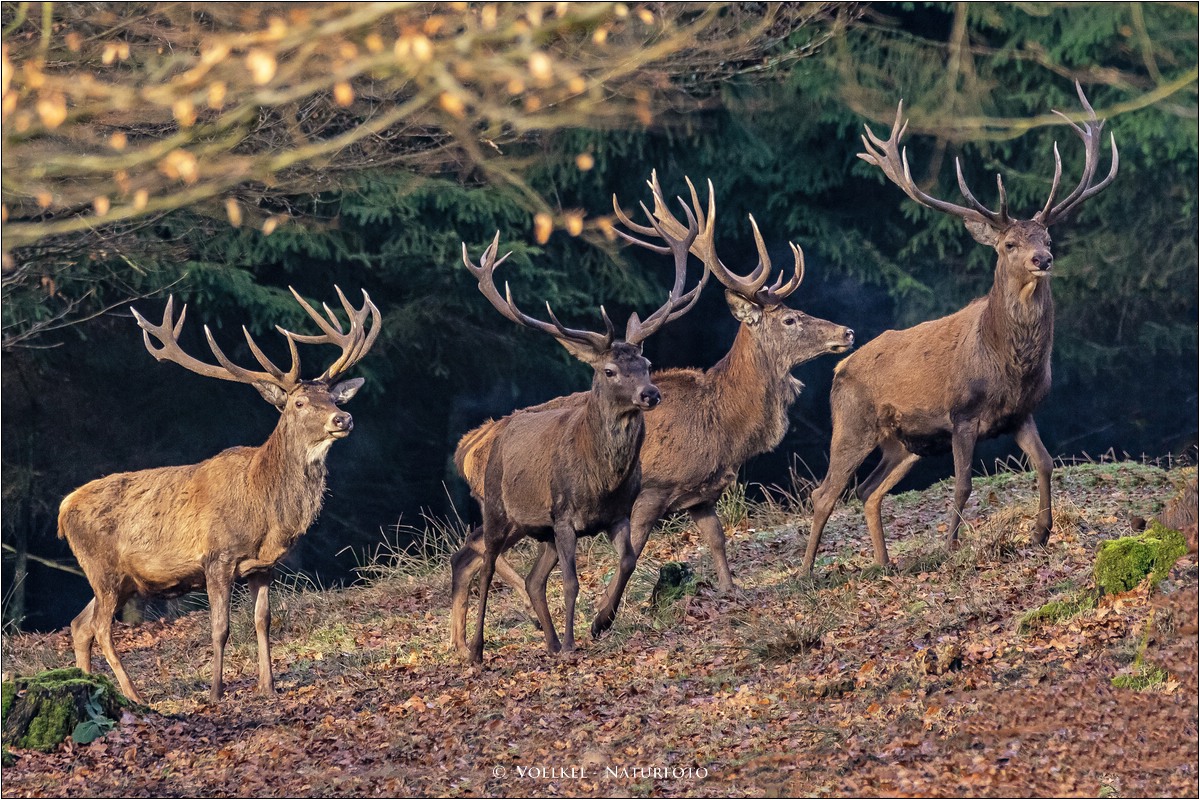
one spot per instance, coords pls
(849, 336)
(651, 397)
(1043, 260)
(343, 421)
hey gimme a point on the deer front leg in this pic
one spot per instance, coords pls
(626, 562)
(219, 579)
(963, 445)
(1031, 443)
(535, 586)
(565, 541)
(260, 584)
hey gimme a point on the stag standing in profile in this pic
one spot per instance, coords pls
(976, 374)
(177, 529)
(710, 421)
(558, 474)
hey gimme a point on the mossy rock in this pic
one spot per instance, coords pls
(1058, 610)
(42, 710)
(675, 581)
(1123, 563)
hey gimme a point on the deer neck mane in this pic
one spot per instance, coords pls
(610, 436)
(752, 393)
(290, 477)
(1017, 324)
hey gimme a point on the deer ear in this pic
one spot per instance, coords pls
(345, 390)
(584, 353)
(743, 310)
(271, 393)
(983, 232)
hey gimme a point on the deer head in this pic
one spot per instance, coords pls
(788, 336)
(308, 408)
(622, 373)
(1022, 246)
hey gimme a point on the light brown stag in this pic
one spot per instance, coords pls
(710, 421)
(176, 529)
(558, 474)
(976, 374)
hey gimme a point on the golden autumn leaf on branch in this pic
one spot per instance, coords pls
(159, 106)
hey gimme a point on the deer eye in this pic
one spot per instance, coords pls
(1010, 245)
(789, 320)
(301, 402)
(608, 373)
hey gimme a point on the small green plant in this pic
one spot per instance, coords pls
(96, 724)
(1146, 677)
(1123, 563)
(1058, 610)
(732, 507)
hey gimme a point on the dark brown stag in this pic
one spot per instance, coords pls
(710, 421)
(558, 474)
(976, 374)
(176, 529)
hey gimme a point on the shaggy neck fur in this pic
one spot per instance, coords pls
(1018, 323)
(751, 394)
(609, 437)
(289, 475)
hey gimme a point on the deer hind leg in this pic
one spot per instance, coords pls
(963, 444)
(535, 587)
(899, 461)
(565, 542)
(104, 608)
(83, 635)
(506, 573)
(260, 585)
(1031, 443)
(626, 563)
(464, 566)
(706, 519)
(219, 579)
(847, 450)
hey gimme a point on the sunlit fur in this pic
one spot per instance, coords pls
(176, 529)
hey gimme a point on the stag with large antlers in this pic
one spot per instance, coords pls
(976, 374)
(557, 474)
(710, 421)
(176, 529)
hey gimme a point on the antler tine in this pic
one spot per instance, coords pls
(358, 340)
(893, 162)
(355, 342)
(168, 336)
(505, 305)
(779, 291)
(1041, 215)
(1090, 133)
(292, 375)
(678, 303)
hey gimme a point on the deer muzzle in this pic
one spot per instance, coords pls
(649, 397)
(340, 425)
(1040, 264)
(842, 342)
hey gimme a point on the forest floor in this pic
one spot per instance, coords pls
(918, 680)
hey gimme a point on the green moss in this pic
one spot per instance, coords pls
(675, 581)
(8, 691)
(48, 707)
(1058, 610)
(1123, 563)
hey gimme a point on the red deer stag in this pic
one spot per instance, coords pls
(558, 474)
(176, 529)
(710, 421)
(976, 374)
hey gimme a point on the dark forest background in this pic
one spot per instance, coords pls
(777, 137)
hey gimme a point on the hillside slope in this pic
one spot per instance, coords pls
(921, 680)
